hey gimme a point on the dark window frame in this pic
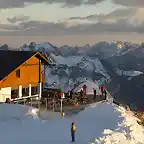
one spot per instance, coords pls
(34, 90)
(25, 92)
(18, 73)
(14, 93)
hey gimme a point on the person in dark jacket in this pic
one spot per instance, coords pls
(71, 94)
(73, 130)
(105, 94)
(94, 91)
(68, 94)
(81, 93)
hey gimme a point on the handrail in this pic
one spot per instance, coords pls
(20, 98)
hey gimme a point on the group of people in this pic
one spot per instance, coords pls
(96, 92)
(83, 90)
(102, 90)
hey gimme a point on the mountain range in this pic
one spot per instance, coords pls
(120, 65)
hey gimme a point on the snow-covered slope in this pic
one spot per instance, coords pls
(97, 124)
(128, 73)
(96, 62)
(73, 70)
(77, 64)
(127, 132)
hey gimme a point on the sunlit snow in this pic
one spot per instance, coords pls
(73, 61)
(98, 124)
(128, 73)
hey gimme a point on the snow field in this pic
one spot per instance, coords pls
(101, 123)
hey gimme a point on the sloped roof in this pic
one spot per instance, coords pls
(90, 85)
(10, 60)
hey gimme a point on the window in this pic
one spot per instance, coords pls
(34, 90)
(25, 92)
(14, 94)
(18, 73)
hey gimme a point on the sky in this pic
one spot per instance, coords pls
(72, 22)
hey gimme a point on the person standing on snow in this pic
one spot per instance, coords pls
(60, 94)
(105, 94)
(73, 130)
(84, 89)
(94, 91)
(102, 89)
(68, 94)
(81, 92)
(71, 94)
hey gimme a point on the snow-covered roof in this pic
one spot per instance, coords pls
(90, 85)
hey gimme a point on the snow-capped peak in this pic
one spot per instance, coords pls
(45, 46)
(41, 47)
(87, 46)
(4, 47)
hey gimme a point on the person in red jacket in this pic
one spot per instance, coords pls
(61, 94)
(84, 90)
(102, 89)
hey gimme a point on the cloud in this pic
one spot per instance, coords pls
(8, 27)
(34, 28)
(19, 18)
(121, 26)
(130, 3)
(22, 3)
(11, 3)
(37, 28)
(117, 14)
(133, 15)
(118, 21)
(69, 3)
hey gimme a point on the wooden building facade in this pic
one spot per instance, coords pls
(22, 74)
